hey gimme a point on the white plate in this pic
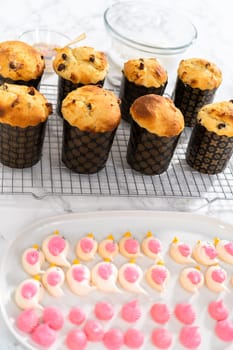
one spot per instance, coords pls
(165, 225)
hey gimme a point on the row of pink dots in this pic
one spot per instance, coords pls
(53, 320)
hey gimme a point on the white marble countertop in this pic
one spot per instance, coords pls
(213, 20)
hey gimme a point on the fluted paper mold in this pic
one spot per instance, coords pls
(33, 82)
(21, 147)
(64, 87)
(148, 153)
(85, 152)
(130, 91)
(190, 100)
(208, 152)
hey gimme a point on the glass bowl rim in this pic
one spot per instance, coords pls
(42, 30)
(143, 46)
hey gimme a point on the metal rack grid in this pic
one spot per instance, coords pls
(50, 176)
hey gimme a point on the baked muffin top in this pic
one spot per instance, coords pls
(217, 117)
(147, 72)
(22, 106)
(200, 73)
(20, 61)
(158, 115)
(91, 108)
(82, 64)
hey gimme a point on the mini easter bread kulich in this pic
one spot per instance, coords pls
(91, 117)
(197, 82)
(77, 67)
(200, 73)
(81, 65)
(140, 77)
(155, 130)
(211, 143)
(158, 115)
(92, 109)
(23, 115)
(218, 118)
(22, 106)
(20, 63)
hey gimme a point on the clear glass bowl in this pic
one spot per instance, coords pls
(149, 28)
(45, 41)
(146, 28)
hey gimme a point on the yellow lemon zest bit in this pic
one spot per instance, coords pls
(56, 232)
(199, 241)
(160, 262)
(90, 235)
(132, 261)
(127, 234)
(175, 240)
(52, 265)
(76, 262)
(107, 260)
(197, 268)
(110, 237)
(35, 246)
(37, 277)
(149, 234)
(216, 241)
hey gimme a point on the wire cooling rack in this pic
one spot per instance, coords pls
(50, 176)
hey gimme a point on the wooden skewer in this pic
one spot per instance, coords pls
(79, 38)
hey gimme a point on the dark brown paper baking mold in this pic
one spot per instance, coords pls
(64, 87)
(130, 91)
(190, 100)
(148, 153)
(33, 82)
(85, 152)
(208, 152)
(21, 147)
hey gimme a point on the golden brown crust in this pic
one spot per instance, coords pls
(200, 73)
(158, 115)
(217, 117)
(20, 61)
(91, 108)
(22, 106)
(82, 64)
(147, 72)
